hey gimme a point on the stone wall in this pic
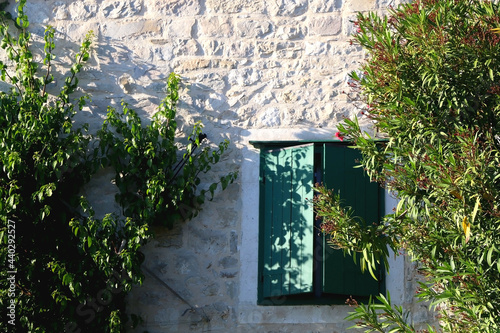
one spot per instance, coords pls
(272, 69)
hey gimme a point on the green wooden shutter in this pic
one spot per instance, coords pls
(287, 221)
(340, 274)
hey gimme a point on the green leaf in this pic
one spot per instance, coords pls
(489, 255)
(476, 207)
(67, 278)
(224, 182)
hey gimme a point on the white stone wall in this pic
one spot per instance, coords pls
(256, 69)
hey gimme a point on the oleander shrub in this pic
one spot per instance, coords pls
(431, 87)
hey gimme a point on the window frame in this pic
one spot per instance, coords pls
(316, 296)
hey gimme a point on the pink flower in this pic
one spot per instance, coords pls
(339, 136)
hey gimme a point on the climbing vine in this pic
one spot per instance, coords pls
(65, 269)
(147, 165)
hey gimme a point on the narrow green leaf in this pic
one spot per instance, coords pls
(489, 255)
(474, 212)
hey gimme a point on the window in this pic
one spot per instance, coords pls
(294, 260)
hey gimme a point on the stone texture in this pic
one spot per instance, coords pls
(120, 30)
(35, 12)
(181, 28)
(228, 262)
(174, 7)
(244, 77)
(270, 117)
(121, 9)
(233, 242)
(238, 6)
(362, 5)
(254, 29)
(326, 6)
(190, 65)
(326, 26)
(79, 10)
(291, 32)
(289, 8)
(215, 26)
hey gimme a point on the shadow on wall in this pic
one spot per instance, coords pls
(115, 73)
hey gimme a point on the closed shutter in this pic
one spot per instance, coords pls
(340, 274)
(287, 216)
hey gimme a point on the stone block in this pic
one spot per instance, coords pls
(186, 47)
(325, 26)
(208, 81)
(186, 264)
(181, 28)
(221, 307)
(76, 11)
(289, 50)
(291, 32)
(361, 5)
(165, 53)
(233, 242)
(253, 29)
(240, 49)
(266, 48)
(208, 242)
(76, 31)
(288, 7)
(244, 77)
(270, 117)
(174, 7)
(215, 26)
(126, 83)
(211, 290)
(224, 63)
(119, 30)
(316, 48)
(228, 262)
(212, 47)
(232, 289)
(120, 9)
(228, 274)
(236, 6)
(191, 65)
(287, 96)
(326, 6)
(215, 102)
(224, 6)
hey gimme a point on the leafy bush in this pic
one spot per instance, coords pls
(67, 270)
(431, 86)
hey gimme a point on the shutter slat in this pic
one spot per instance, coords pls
(288, 221)
(341, 274)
